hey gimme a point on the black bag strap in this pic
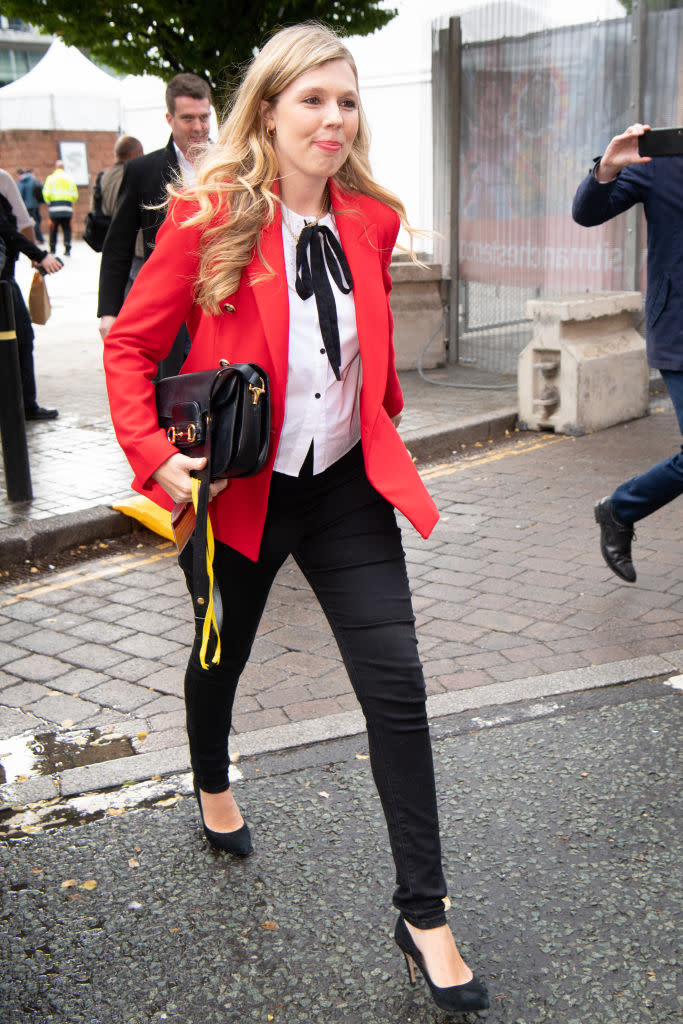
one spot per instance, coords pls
(204, 587)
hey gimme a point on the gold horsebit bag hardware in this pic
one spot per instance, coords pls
(188, 436)
(256, 391)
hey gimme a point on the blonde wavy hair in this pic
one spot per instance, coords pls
(234, 189)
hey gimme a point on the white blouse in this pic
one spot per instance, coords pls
(318, 407)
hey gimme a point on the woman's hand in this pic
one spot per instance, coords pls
(174, 476)
(397, 419)
(622, 151)
(50, 263)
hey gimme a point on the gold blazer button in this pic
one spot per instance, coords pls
(228, 307)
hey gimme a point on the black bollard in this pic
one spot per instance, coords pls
(12, 424)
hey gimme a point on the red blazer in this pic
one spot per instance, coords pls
(253, 326)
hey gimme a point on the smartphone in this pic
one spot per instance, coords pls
(43, 271)
(661, 142)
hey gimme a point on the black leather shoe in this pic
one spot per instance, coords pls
(38, 413)
(615, 541)
(467, 998)
(237, 842)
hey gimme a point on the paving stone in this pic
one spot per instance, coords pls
(84, 605)
(160, 705)
(246, 722)
(37, 668)
(465, 680)
(527, 652)
(168, 719)
(146, 646)
(100, 632)
(134, 669)
(146, 621)
(118, 694)
(93, 656)
(264, 650)
(300, 638)
(28, 791)
(177, 657)
(11, 631)
(169, 739)
(7, 680)
(27, 611)
(45, 641)
(62, 622)
(244, 703)
(168, 680)
(305, 664)
(451, 630)
(507, 622)
(297, 712)
(22, 695)
(284, 694)
(110, 612)
(14, 722)
(8, 652)
(61, 709)
(600, 655)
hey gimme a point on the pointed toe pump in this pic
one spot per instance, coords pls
(237, 842)
(467, 998)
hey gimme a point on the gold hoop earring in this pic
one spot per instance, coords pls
(270, 132)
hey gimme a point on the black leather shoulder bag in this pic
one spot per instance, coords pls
(223, 415)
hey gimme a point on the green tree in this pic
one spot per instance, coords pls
(162, 37)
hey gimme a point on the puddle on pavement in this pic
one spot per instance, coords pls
(51, 753)
(17, 823)
(46, 815)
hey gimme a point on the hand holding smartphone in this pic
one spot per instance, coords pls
(43, 271)
(661, 142)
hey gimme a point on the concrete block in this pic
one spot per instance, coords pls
(135, 768)
(585, 367)
(417, 309)
(48, 536)
(30, 791)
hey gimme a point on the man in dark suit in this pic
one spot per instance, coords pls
(188, 103)
(619, 180)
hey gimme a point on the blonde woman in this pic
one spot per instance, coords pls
(280, 256)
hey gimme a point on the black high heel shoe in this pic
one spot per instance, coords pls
(467, 998)
(237, 842)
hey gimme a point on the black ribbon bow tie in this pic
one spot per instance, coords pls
(312, 279)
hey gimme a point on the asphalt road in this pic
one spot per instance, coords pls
(561, 826)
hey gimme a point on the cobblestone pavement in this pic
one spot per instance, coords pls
(511, 596)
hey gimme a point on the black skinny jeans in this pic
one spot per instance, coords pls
(344, 537)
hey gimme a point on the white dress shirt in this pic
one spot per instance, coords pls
(318, 407)
(186, 168)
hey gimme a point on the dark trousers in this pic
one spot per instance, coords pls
(657, 486)
(65, 224)
(25, 338)
(344, 537)
(35, 213)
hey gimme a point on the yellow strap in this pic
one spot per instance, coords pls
(7, 335)
(210, 617)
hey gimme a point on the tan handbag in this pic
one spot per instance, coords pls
(38, 300)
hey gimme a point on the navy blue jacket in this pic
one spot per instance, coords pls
(658, 185)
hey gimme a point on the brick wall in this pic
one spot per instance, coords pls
(40, 149)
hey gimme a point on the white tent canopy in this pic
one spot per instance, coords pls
(64, 92)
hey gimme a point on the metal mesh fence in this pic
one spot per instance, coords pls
(534, 111)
